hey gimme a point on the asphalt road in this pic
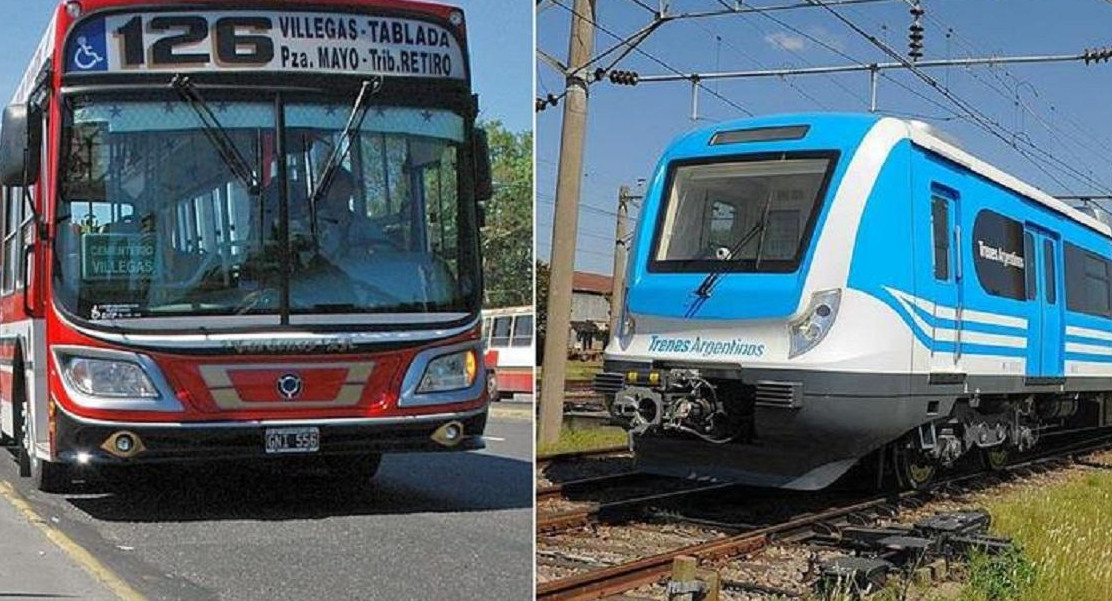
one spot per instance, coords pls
(432, 526)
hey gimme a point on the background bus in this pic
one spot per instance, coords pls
(511, 349)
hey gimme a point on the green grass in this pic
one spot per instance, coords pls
(584, 440)
(1065, 533)
(578, 370)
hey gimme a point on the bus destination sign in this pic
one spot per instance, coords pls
(264, 41)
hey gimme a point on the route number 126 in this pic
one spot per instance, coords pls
(232, 46)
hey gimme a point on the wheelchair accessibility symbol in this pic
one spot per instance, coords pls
(86, 58)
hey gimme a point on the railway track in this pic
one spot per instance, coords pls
(623, 509)
(624, 576)
(588, 485)
(614, 451)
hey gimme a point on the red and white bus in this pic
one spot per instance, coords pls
(242, 229)
(511, 351)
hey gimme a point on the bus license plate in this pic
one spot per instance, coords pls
(292, 440)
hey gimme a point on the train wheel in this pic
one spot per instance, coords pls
(914, 469)
(994, 458)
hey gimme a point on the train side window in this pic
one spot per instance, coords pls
(523, 331)
(999, 256)
(940, 225)
(500, 333)
(1088, 287)
(1051, 275)
(1030, 276)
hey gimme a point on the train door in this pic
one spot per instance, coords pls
(947, 269)
(1042, 265)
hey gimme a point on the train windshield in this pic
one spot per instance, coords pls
(748, 215)
(161, 216)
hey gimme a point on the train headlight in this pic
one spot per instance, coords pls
(626, 324)
(809, 330)
(108, 378)
(456, 371)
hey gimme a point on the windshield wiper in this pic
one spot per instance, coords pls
(216, 133)
(343, 146)
(704, 290)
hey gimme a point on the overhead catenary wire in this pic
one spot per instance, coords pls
(987, 124)
(1009, 92)
(651, 57)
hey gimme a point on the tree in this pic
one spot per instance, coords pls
(542, 308)
(508, 235)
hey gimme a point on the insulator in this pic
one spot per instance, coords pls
(624, 78)
(1097, 55)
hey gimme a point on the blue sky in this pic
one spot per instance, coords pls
(1061, 108)
(500, 33)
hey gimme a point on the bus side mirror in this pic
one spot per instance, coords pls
(484, 182)
(20, 141)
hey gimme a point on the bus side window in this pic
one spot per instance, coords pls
(523, 331)
(500, 334)
(13, 216)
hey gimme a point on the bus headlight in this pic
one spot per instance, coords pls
(809, 330)
(456, 371)
(108, 378)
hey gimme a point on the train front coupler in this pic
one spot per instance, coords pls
(674, 401)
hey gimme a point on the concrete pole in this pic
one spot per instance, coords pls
(565, 224)
(621, 252)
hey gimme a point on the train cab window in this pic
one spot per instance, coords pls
(999, 256)
(1088, 278)
(1051, 276)
(500, 333)
(940, 226)
(523, 331)
(754, 214)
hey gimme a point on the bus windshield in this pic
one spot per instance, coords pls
(154, 220)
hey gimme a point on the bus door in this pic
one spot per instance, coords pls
(1042, 251)
(947, 269)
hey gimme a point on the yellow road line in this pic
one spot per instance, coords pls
(76, 552)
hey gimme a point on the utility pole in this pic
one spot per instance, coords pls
(621, 254)
(565, 223)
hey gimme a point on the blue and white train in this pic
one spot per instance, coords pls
(805, 291)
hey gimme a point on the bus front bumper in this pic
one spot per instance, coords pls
(79, 441)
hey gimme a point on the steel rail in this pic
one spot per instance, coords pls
(562, 489)
(617, 510)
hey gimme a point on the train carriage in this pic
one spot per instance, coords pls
(808, 290)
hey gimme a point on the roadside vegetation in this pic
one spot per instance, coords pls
(575, 370)
(585, 440)
(1063, 536)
